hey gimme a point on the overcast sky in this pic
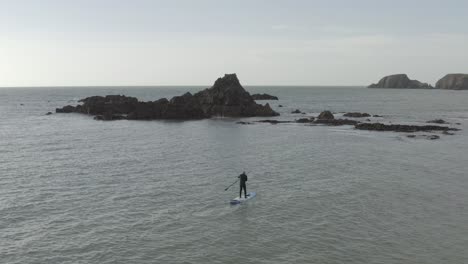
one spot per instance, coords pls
(177, 42)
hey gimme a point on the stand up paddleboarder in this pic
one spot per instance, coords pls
(242, 180)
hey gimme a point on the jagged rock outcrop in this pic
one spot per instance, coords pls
(264, 97)
(453, 81)
(400, 81)
(226, 97)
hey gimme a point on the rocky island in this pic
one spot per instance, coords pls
(456, 81)
(225, 98)
(400, 81)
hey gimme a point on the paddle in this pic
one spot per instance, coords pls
(231, 185)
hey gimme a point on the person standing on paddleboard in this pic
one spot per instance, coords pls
(242, 180)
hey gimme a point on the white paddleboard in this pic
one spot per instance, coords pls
(239, 200)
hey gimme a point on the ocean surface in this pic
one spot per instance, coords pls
(76, 190)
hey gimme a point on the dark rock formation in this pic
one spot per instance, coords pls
(355, 114)
(432, 137)
(457, 81)
(400, 81)
(437, 121)
(326, 115)
(264, 97)
(377, 116)
(336, 122)
(280, 105)
(226, 97)
(48, 113)
(297, 111)
(400, 128)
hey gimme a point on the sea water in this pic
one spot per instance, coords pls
(76, 190)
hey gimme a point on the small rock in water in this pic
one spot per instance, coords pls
(264, 97)
(432, 137)
(326, 115)
(280, 105)
(297, 111)
(48, 113)
(304, 120)
(356, 114)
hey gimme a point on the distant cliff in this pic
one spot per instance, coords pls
(400, 81)
(454, 82)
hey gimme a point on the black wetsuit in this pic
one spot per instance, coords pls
(243, 179)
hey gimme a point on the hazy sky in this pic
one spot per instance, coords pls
(297, 42)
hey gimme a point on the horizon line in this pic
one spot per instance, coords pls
(176, 85)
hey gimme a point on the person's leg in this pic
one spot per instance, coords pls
(240, 190)
(245, 190)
